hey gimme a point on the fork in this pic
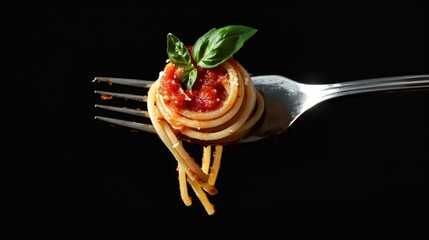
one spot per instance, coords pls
(286, 100)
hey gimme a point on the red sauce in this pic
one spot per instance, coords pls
(106, 97)
(207, 93)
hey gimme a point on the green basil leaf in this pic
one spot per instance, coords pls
(218, 45)
(188, 78)
(201, 44)
(178, 53)
(209, 51)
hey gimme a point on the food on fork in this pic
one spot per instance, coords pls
(206, 96)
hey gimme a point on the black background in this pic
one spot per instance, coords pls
(355, 164)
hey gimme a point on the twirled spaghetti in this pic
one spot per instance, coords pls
(212, 121)
(204, 96)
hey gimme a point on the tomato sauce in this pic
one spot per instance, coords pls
(207, 93)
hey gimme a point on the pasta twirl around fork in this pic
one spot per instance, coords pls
(204, 96)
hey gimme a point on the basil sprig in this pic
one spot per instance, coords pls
(209, 51)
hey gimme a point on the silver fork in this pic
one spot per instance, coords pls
(286, 100)
(108, 95)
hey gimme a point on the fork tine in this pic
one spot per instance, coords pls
(135, 97)
(134, 125)
(136, 112)
(125, 81)
(107, 95)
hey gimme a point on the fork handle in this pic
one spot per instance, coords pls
(385, 84)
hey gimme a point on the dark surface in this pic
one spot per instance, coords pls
(355, 164)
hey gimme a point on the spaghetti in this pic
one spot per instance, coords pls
(222, 107)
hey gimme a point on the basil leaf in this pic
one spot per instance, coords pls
(178, 53)
(209, 51)
(218, 45)
(188, 78)
(201, 44)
